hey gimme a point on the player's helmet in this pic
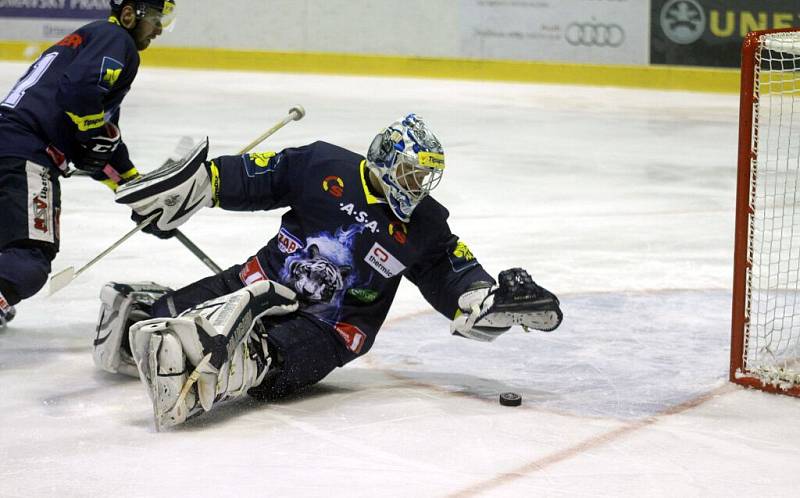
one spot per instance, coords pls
(408, 160)
(159, 10)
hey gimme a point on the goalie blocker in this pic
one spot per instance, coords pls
(488, 311)
(175, 191)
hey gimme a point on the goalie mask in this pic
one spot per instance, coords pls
(408, 160)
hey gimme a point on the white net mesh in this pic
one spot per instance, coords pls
(772, 335)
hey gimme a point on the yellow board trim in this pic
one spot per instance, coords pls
(651, 77)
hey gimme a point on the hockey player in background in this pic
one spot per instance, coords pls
(65, 109)
(315, 296)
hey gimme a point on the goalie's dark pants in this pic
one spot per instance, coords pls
(303, 351)
(30, 202)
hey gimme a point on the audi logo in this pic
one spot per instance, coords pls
(595, 34)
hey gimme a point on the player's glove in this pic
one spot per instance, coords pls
(488, 311)
(152, 228)
(96, 151)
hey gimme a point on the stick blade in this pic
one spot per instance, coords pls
(61, 279)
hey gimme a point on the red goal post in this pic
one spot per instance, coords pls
(765, 338)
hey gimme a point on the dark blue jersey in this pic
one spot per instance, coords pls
(68, 94)
(339, 246)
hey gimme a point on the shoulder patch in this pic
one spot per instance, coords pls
(461, 258)
(110, 72)
(259, 163)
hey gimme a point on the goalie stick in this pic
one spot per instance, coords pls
(63, 278)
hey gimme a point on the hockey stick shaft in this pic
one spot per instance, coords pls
(295, 114)
(197, 252)
(67, 275)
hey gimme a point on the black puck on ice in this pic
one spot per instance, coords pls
(510, 399)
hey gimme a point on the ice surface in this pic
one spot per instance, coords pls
(620, 201)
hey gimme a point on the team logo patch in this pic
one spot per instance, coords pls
(353, 337)
(261, 158)
(109, 73)
(288, 243)
(260, 163)
(461, 258)
(399, 231)
(252, 272)
(333, 185)
(386, 264)
(41, 220)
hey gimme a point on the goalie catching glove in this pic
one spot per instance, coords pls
(214, 351)
(488, 311)
(175, 191)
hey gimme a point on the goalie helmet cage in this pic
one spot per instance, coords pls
(765, 338)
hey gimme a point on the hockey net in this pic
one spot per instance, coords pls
(765, 348)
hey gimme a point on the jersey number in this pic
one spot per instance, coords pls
(31, 78)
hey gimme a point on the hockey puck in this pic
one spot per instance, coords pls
(510, 399)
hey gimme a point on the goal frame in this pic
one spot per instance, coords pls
(747, 153)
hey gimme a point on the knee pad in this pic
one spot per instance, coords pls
(25, 268)
(122, 305)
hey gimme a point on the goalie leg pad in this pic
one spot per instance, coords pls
(176, 190)
(121, 305)
(220, 344)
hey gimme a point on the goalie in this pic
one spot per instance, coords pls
(315, 296)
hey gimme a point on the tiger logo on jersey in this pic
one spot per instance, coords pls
(317, 279)
(322, 270)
